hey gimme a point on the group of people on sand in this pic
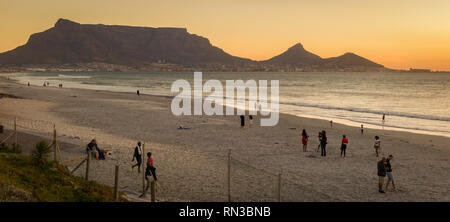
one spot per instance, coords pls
(323, 141)
(250, 117)
(95, 151)
(385, 169)
(99, 154)
(48, 84)
(150, 170)
(384, 166)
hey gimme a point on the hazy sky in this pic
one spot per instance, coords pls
(395, 33)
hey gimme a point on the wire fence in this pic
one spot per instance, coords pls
(242, 181)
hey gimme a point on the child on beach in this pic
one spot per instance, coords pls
(251, 121)
(323, 143)
(304, 140)
(344, 145)
(381, 166)
(242, 121)
(377, 145)
(362, 129)
(389, 173)
(138, 156)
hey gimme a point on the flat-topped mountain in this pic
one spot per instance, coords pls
(69, 43)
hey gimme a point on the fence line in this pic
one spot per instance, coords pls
(40, 125)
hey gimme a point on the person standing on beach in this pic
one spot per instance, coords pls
(331, 123)
(381, 166)
(384, 117)
(138, 156)
(137, 92)
(362, 129)
(28, 83)
(320, 139)
(323, 143)
(304, 140)
(250, 125)
(344, 145)
(150, 170)
(377, 145)
(242, 121)
(389, 173)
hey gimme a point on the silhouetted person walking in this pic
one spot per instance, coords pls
(138, 156)
(323, 143)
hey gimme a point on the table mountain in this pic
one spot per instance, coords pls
(71, 42)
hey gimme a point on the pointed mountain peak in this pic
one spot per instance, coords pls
(297, 46)
(350, 54)
(297, 55)
(65, 23)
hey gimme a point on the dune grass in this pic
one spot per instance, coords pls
(49, 182)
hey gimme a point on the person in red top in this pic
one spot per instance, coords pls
(304, 140)
(344, 145)
(151, 170)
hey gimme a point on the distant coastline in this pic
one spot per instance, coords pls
(163, 67)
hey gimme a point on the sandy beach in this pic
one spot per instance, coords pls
(192, 164)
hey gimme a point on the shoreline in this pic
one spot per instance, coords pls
(335, 120)
(192, 163)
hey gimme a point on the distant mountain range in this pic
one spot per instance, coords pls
(69, 42)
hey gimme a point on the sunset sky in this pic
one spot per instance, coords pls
(398, 34)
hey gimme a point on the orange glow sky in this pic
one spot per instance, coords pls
(398, 34)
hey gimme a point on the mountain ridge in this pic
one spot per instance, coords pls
(69, 42)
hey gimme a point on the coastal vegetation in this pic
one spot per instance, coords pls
(35, 178)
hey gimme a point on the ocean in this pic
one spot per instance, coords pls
(417, 102)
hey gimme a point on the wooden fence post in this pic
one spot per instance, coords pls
(279, 187)
(78, 166)
(15, 135)
(153, 189)
(88, 160)
(54, 143)
(144, 191)
(229, 175)
(116, 184)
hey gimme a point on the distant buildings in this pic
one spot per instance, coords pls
(419, 70)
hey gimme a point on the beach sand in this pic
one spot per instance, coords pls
(192, 164)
